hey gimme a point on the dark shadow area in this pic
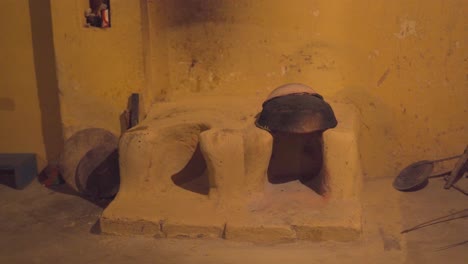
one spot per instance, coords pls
(96, 228)
(98, 173)
(46, 77)
(297, 157)
(188, 12)
(193, 176)
(65, 189)
(51, 179)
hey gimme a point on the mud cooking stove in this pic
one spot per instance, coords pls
(201, 168)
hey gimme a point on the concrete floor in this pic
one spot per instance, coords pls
(40, 225)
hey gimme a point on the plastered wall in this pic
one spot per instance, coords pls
(20, 113)
(402, 63)
(97, 68)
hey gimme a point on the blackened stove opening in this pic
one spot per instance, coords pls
(297, 157)
(193, 177)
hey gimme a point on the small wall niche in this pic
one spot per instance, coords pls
(98, 14)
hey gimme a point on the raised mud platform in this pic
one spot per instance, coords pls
(198, 168)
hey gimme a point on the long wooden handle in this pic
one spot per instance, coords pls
(457, 170)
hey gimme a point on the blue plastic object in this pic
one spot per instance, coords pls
(18, 169)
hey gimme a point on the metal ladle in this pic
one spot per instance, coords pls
(417, 175)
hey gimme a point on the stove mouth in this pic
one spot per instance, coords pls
(193, 177)
(298, 157)
(296, 116)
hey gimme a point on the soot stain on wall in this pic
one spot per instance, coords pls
(187, 12)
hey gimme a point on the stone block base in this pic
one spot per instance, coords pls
(198, 169)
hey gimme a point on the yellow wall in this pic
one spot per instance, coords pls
(20, 114)
(402, 63)
(156, 51)
(97, 69)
